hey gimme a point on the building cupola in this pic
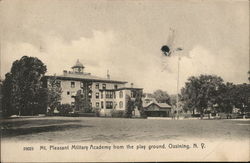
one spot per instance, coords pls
(78, 67)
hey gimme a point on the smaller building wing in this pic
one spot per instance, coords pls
(160, 105)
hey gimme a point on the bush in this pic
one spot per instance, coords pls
(144, 116)
(187, 115)
(64, 109)
(117, 113)
(97, 112)
(196, 115)
(142, 113)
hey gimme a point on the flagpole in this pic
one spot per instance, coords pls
(177, 96)
(167, 49)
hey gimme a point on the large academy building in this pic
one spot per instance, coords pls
(103, 93)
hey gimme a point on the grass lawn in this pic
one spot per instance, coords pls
(93, 129)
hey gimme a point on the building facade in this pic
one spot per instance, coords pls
(118, 99)
(152, 108)
(96, 92)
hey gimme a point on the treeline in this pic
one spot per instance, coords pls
(206, 94)
(24, 92)
(209, 93)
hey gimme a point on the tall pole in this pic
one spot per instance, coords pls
(167, 49)
(177, 96)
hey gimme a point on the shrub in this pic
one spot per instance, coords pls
(97, 112)
(64, 109)
(117, 113)
(187, 115)
(196, 115)
(144, 116)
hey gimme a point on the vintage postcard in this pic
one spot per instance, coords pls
(124, 80)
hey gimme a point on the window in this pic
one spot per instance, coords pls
(58, 83)
(109, 105)
(73, 103)
(90, 94)
(132, 94)
(109, 94)
(102, 104)
(115, 86)
(90, 86)
(120, 104)
(97, 86)
(72, 84)
(81, 84)
(97, 104)
(68, 93)
(101, 95)
(97, 95)
(73, 94)
(120, 94)
(103, 86)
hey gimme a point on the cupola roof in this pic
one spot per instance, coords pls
(78, 64)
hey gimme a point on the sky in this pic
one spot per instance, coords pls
(125, 37)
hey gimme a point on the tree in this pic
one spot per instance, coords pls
(65, 109)
(173, 99)
(201, 92)
(23, 83)
(161, 96)
(249, 76)
(134, 102)
(42, 101)
(51, 95)
(7, 99)
(225, 99)
(79, 101)
(130, 107)
(149, 95)
(241, 97)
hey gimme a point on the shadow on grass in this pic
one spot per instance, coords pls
(20, 122)
(33, 130)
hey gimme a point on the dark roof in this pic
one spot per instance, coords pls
(124, 88)
(161, 105)
(78, 64)
(86, 77)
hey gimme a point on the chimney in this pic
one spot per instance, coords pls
(65, 72)
(108, 76)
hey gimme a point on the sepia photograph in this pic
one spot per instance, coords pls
(124, 80)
